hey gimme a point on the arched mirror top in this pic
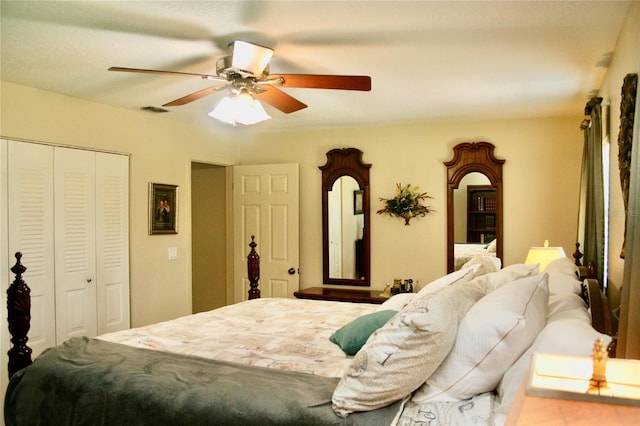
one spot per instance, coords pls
(471, 157)
(344, 162)
(483, 224)
(345, 218)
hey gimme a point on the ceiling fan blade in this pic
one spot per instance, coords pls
(280, 100)
(317, 81)
(194, 96)
(145, 71)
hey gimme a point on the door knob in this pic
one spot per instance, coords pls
(88, 280)
(291, 271)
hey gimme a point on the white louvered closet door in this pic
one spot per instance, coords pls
(31, 231)
(112, 242)
(75, 243)
(68, 213)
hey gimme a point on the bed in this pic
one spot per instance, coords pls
(453, 353)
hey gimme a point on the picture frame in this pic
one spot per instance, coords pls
(163, 208)
(358, 201)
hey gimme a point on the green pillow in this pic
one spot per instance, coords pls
(352, 336)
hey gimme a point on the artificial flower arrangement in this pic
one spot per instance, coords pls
(406, 204)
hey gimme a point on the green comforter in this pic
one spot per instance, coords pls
(93, 382)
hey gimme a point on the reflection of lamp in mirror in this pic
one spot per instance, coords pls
(240, 108)
(544, 255)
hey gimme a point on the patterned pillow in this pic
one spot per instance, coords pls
(491, 337)
(402, 354)
(396, 302)
(453, 277)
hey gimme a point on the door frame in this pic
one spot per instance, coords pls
(228, 166)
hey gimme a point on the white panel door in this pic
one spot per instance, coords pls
(31, 232)
(112, 242)
(265, 204)
(75, 243)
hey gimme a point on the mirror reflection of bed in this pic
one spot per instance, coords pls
(467, 243)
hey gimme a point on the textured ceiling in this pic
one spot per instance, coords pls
(427, 59)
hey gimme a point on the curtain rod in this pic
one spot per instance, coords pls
(590, 104)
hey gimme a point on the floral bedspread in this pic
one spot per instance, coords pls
(285, 334)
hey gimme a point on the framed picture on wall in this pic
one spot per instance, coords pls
(357, 201)
(163, 209)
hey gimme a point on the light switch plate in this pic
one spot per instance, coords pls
(173, 253)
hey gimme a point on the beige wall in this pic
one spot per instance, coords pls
(541, 178)
(625, 60)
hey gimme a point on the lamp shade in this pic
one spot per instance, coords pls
(544, 255)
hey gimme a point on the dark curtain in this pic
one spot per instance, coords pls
(592, 188)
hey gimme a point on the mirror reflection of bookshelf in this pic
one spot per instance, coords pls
(481, 213)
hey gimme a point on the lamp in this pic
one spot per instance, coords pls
(568, 377)
(240, 108)
(544, 255)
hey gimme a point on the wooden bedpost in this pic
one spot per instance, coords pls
(577, 255)
(19, 317)
(253, 268)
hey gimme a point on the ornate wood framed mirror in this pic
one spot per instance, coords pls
(474, 175)
(346, 225)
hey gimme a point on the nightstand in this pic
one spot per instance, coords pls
(341, 295)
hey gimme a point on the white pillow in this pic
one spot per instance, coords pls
(563, 276)
(508, 274)
(562, 265)
(491, 337)
(567, 306)
(397, 302)
(560, 283)
(491, 247)
(402, 354)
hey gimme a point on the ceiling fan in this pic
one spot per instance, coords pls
(246, 71)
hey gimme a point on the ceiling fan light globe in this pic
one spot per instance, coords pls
(249, 111)
(224, 111)
(242, 109)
